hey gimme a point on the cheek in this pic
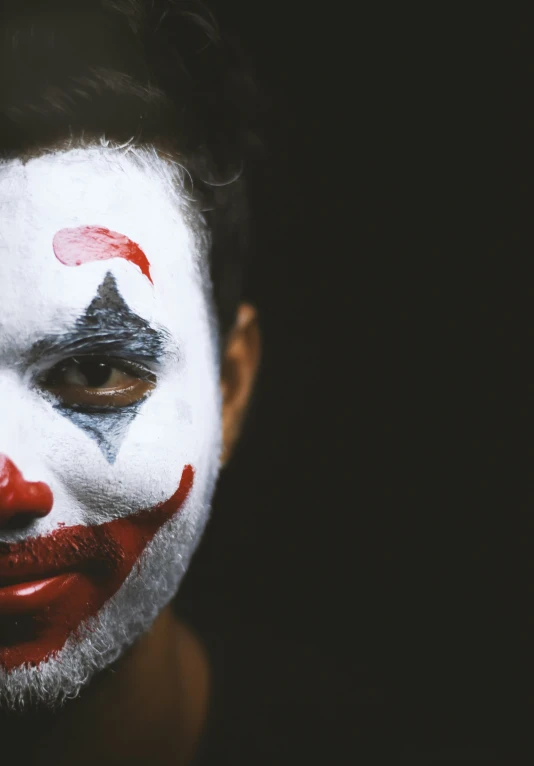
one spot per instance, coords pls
(178, 425)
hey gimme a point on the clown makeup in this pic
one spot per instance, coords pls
(110, 409)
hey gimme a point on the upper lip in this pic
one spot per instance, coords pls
(38, 558)
(93, 548)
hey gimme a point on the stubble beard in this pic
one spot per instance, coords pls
(102, 639)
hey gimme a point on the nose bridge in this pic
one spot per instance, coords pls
(19, 429)
(24, 496)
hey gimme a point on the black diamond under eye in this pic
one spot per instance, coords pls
(96, 373)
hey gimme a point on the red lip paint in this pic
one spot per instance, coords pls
(83, 244)
(25, 597)
(69, 575)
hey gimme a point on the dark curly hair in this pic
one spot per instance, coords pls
(157, 72)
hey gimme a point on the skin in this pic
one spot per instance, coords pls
(166, 664)
(110, 723)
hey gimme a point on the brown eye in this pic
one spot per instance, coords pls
(99, 382)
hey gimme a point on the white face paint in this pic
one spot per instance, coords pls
(112, 466)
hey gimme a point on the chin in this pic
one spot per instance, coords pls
(102, 639)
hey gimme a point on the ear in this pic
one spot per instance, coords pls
(238, 371)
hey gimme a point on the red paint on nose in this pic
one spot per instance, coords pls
(21, 500)
(83, 244)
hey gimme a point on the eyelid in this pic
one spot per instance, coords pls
(101, 400)
(43, 359)
(128, 366)
(89, 399)
(124, 365)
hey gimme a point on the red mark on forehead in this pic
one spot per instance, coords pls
(83, 244)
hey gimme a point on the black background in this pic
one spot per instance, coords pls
(367, 557)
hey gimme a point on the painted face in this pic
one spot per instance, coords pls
(109, 410)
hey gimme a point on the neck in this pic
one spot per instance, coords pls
(149, 707)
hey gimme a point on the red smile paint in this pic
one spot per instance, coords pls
(50, 585)
(83, 244)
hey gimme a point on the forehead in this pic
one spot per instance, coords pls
(135, 196)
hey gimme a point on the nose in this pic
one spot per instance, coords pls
(21, 501)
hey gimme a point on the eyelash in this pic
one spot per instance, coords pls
(124, 365)
(96, 399)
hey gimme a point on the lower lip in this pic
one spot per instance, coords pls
(34, 596)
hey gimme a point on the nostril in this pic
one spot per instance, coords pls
(19, 520)
(21, 501)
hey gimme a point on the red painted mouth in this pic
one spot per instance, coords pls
(50, 585)
(34, 595)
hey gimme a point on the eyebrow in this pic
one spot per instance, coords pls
(109, 327)
(83, 244)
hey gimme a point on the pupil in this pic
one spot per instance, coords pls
(96, 373)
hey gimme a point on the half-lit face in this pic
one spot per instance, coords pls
(109, 409)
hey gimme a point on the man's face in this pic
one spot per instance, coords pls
(109, 410)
